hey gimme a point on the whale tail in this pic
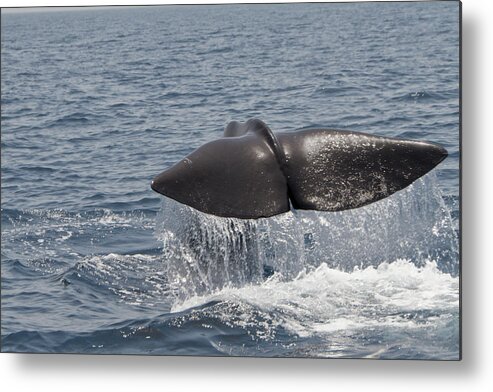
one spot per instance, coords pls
(252, 172)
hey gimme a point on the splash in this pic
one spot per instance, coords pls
(205, 253)
(375, 312)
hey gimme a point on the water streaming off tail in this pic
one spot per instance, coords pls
(204, 253)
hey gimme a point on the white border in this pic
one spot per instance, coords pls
(19, 372)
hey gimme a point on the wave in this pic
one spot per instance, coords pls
(137, 279)
(41, 170)
(337, 308)
(424, 96)
(25, 218)
(41, 237)
(217, 50)
(335, 91)
(393, 310)
(76, 119)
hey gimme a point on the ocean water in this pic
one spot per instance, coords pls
(95, 103)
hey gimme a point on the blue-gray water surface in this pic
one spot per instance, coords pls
(96, 102)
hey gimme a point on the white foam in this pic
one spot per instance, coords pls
(327, 301)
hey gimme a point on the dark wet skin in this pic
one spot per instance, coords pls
(252, 172)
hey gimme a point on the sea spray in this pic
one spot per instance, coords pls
(205, 253)
(413, 224)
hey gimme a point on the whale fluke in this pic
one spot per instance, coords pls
(330, 170)
(252, 172)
